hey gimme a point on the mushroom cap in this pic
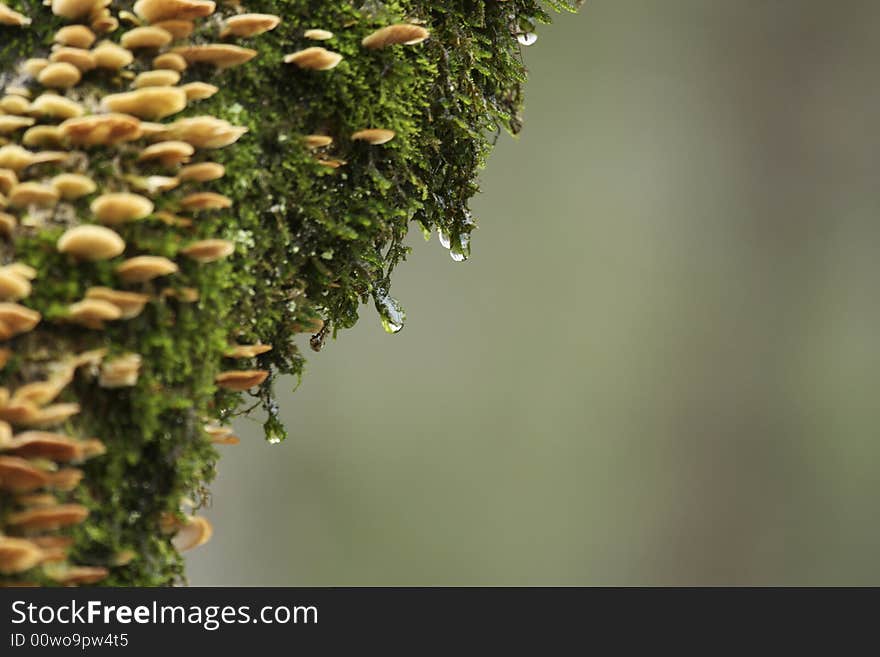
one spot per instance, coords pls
(374, 136)
(205, 251)
(13, 18)
(14, 104)
(170, 153)
(72, 186)
(314, 58)
(205, 201)
(152, 103)
(18, 319)
(42, 444)
(43, 392)
(18, 475)
(118, 208)
(10, 123)
(13, 287)
(170, 61)
(43, 136)
(33, 193)
(8, 180)
(221, 55)
(112, 56)
(53, 517)
(93, 312)
(162, 77)
(90, 242)
(72, 8)
(145, 37)
(51, 416)
(56, 106)
(247, 351)
(21, 269)
(177, 27)
(202, 172)
(248, 25)
(105, 23)
(195, 532)
(157, 10)
(18, 555)
(401, 33)
(75, 575)
(19, 411)
(141, 269)
(199, 90)
(120, 372)
(8, 222)
(240, 380)
(83, 59)
(102, 129)
(77, 36)
(318, 35)
(60, 75)
(66, 478)
(317, 141)
(131, 304)
(205, 132)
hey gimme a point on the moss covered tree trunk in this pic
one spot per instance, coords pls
(183, 188)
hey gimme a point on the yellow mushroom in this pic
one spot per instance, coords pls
(91, 243)
(111, 56)
(72, 9)
(199, 90)
(14, 104)
(248, 25)
(402, 33)
(314, 58)
(141, 269)
(59, 75)
(8, 180)
(76, 36)
(204, 132)
(72, 186)
(55, 106)
(151, 103)
(121, 207)
(8, 224)
(211, 250)
(221, 55)
(34, 66)
(170, 61)
(102, 129)
(12, 286)
(196, 531)
(51, 416)
(130, 304)
(157, 78)
(10, 123)
(157, 10)
(18, 319)
(202, 172)
(145, 37)
(317, 141)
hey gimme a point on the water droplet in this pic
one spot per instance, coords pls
(274, 440)
(457, 255)
(445, 239)
(391, 313)
(527, 38)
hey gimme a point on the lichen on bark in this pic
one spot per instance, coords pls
(317, 227)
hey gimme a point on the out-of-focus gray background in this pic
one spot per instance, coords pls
(660, 366)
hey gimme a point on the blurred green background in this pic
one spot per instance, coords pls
(661, 364)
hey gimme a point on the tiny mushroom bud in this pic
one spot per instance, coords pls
(314, 58)
(121, 207)
(91, 243)
(318, 35)
(241, 380)
(60, 75)
(402, 33)
(141, 269)
(206, 251)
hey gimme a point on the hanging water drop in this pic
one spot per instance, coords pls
(445, 238)
(391, 313)
(527, 38)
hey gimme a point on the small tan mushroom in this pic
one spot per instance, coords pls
(10, 123)
(206, 251)
(72, 186)
(402, 33)
(72, 9)
(183, 294)
(13, 18)
(8, 180)
(178, 28)
(42, 392)
(105, 23)
(157, 10)
(17, 90)
(102, 129)
(169, 153)
(199, 90)
(318, 35)
(18, 319)
(65, 479)
(130, 304)
(21, 269)
(247, 351)
(314, 58)
(151, 103)
(54, 517)
(84, 60)
(111, 56)
(55, 106)
(205, 132)
(51, 416)
(45, 445)
(76, 36)
(153, 185)
(158, 78)
(317, 141)
(145, 37)
(195, 532)
(374, 136)
(240, 380)
(14, 104)
(91, 242)
(34, 66)
(19, 412)
(221, 55)
(331, 164)
(202, 172)
(121, 207)
(32, 193)
(205, 201)
(59, 75)
(92, 313)
(36, 499)
(248, 25)
(8, 224)
(170, 61)
(121, 372)
(20, 476)
(15, 157)
(13, 287)
(18, 554)
(77, 575)
(141, 269)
